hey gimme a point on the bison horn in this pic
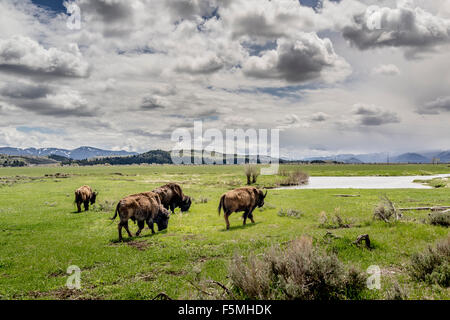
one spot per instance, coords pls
(265, 194)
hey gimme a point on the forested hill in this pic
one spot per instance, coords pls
(151, 157)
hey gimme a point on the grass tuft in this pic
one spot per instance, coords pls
(292, 213)
(335, 223)
(104, 206)
(252, 173)
(201, 200)
(396, 292)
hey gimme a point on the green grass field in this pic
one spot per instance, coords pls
(41, 235)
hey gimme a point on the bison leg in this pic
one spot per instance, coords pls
(150, 225)
(250, 215)
(79, 206)
(141, 225)
(227, 222)
(172, 208)
(125, 225)
(245, 215)
(86, 205)
(119, 227)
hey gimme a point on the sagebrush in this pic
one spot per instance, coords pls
(432, 265)
(439, 218)
(386, 210)
(294, 178)
(299, 271)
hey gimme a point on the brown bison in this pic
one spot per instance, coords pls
(241, 199)
(85, 195)
(172, 197)
(143, 208)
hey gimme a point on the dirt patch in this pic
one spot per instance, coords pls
(391, 271)
(64, 293)
(175, 272)
(10, 181)
(170, 235)
(140, 245)
(203, 259)
(58, 273)
(61, 272)
(59, 175)
(188, 237)
(123, 174)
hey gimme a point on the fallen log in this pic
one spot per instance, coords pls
(228, 291)
(424, 208)
(363, 237)
(162, 296)
(347, 195)
(199, 289)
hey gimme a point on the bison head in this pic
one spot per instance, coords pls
(185, 204)
(162, 218)
(93, 197)
(261, 197)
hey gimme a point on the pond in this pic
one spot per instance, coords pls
(371, 182)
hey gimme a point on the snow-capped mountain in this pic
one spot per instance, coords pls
(75, 154)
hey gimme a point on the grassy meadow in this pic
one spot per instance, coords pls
(41, 234)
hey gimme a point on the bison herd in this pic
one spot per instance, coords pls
(153, 207)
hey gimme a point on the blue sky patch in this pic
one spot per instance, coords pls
(53, 5)
(39, 129)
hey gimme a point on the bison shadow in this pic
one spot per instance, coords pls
(142, 236)
(237, 227)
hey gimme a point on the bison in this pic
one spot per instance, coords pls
(241, 199)
(85, 195)
(172, 197)
(143, 208)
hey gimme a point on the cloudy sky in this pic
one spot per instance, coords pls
(344, 76)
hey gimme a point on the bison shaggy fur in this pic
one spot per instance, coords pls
(142, 208)
(244, 199)
(85, 195)
(172, 197)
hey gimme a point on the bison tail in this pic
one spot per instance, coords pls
(117, 211)
(221, 204)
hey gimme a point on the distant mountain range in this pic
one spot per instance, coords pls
(90, 155)
(410, 157)
(81, 153)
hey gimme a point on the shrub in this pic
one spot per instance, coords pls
(201, 200)
(385, 210)
(252, 173)
(104, 206)
(438, 183)
(294, 178)
(290, 213)
(432, 265)
(300, 271)
(396, 292)
(336, 223)
(439, 218)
